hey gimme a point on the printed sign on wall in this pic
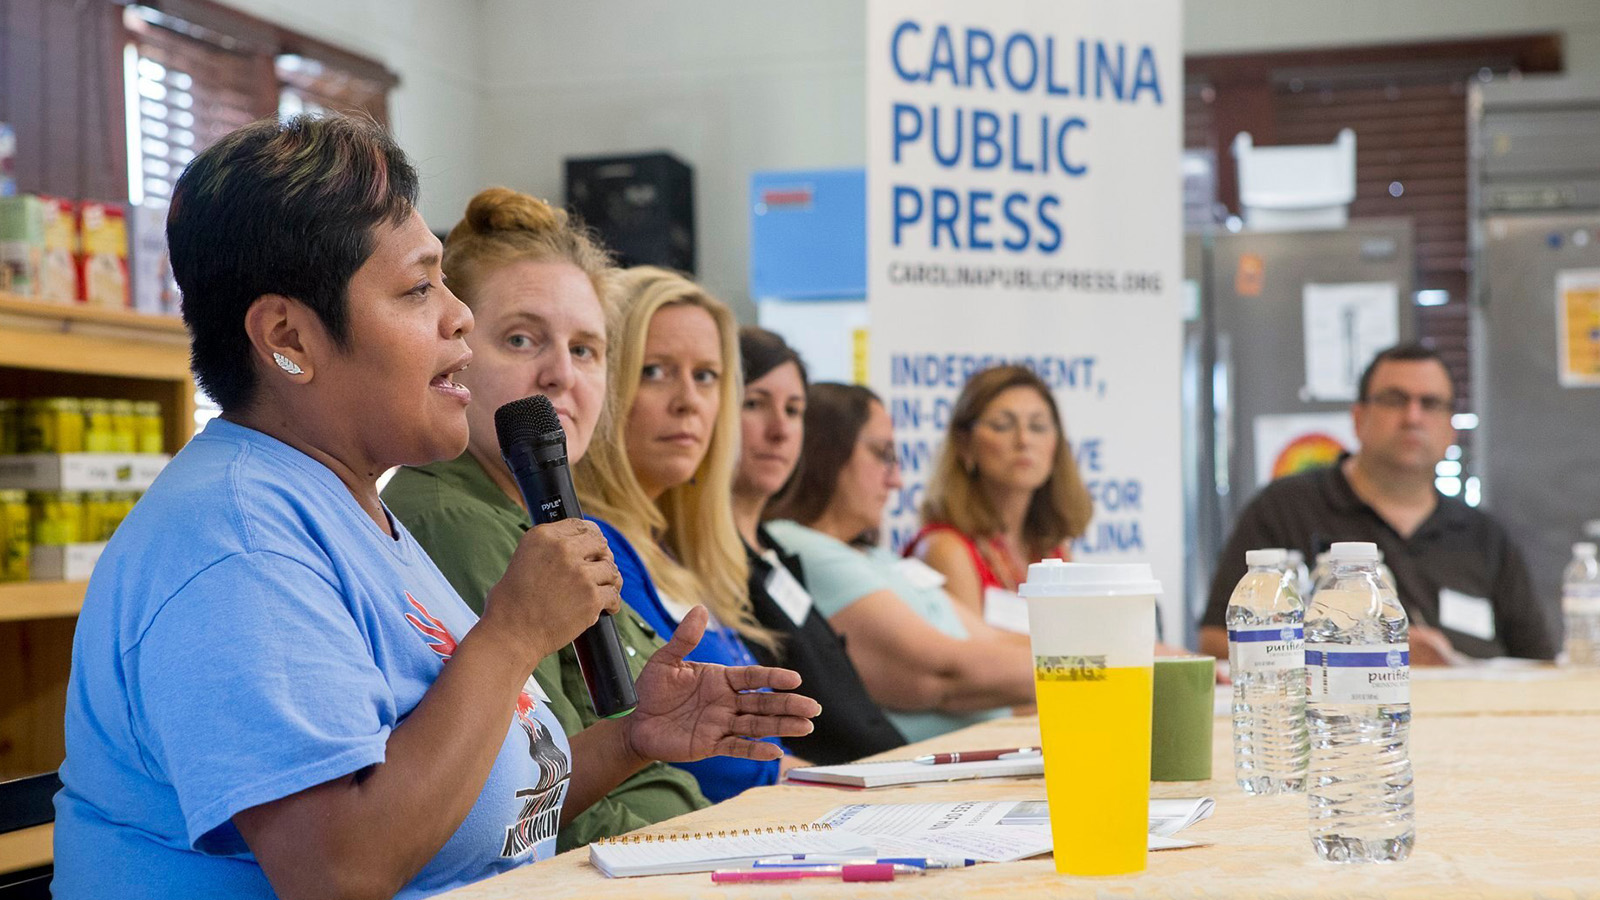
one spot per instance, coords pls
(1024, 206)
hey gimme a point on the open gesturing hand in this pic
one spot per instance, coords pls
(690, 710)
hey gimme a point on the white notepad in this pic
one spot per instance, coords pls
(883, 774)
(628, 856)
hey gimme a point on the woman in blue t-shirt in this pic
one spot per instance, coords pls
(660, 478)
(259, 702)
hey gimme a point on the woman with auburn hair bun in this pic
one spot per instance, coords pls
(1005, 493)
(662, 475)
(535, 284)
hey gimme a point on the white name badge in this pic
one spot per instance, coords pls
(1466, 614)
(787, 591)
(920, 574)
(678, 610)
(1005, 610)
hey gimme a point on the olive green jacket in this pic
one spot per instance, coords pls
(470, 528)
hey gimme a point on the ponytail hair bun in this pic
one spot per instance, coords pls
(502, 226)
(501, 209)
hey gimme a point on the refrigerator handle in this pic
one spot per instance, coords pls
(1222, 414)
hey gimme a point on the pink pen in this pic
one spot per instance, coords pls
(863, 872)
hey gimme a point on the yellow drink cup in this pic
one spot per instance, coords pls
(1093, 632)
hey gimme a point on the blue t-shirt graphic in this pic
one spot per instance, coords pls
(250, 633)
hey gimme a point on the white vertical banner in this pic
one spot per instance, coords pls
(1023, 204)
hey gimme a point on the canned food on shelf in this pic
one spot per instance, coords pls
(124, 427)
(57, 517)
(10, 426)
(99, 430)
(52, 425)
(152, 427)
(15, 540)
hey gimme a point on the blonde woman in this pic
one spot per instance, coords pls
(1004, 493)
(661, 478)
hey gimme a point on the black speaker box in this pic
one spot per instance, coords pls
(642, 206)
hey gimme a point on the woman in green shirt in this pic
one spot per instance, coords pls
(535, 286)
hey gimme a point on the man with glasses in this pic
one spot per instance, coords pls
(1461, 579)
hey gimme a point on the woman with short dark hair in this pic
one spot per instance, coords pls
(259, 703)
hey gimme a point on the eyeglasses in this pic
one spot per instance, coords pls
(1008, 424)
(884, 453)
(1397, 400)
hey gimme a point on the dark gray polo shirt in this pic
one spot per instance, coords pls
(1457, 549)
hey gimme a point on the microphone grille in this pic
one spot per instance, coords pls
(527, 419)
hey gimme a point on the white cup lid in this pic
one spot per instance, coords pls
(1272, 556)
(1054, 578)
(1584, 549)
(1355, 551)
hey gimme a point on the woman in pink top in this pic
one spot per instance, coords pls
(1005, 491)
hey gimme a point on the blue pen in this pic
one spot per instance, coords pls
(807, 860)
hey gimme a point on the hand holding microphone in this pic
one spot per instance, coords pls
(535, 449)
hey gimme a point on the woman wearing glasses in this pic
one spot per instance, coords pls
(930, 662)
(1004, 493)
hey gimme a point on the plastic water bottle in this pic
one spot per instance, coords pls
(1580, 603)
(1266, 658)
(1358, 707)
(1296, 566)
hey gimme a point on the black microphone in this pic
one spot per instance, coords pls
(535, 448)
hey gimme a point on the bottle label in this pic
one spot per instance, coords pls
(1358, 673)
(1255, 650)
(1574, 603)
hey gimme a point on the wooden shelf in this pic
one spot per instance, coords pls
(67, 312)
(62, 350)
(22, 601)
(26, 848)
(55, 337)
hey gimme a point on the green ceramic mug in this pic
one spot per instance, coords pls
(1180, 734)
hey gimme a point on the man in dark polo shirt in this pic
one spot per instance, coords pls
(1463, 583)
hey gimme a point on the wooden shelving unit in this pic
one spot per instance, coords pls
(27, 848)
(47, 350)
(24, 601)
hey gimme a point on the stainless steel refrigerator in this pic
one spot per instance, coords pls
(1539, 432)
(1536, 315)
(1261, 373)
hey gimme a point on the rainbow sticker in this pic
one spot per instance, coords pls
(1306, 452)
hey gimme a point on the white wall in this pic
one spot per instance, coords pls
(433, 46)
(1232, 26)
(500, 91)
(730, 86)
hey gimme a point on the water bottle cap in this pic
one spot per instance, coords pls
(1054, 578)
(1354, 551)
(1583, 549)
(1272, 556)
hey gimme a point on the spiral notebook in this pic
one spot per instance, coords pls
(676, 854)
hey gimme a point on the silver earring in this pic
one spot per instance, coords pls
(287, 364)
